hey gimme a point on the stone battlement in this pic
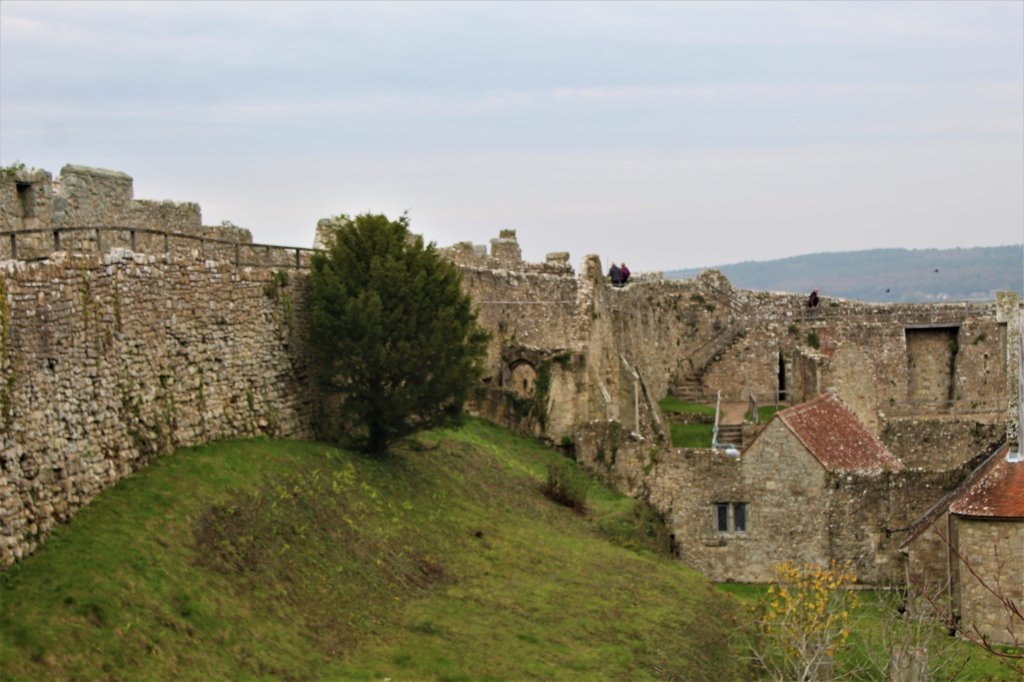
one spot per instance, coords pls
(93, 210)
(505, 254)
(91, 197)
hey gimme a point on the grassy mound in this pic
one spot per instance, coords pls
(290, 560)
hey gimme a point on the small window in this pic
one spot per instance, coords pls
(736, 522)
(723, 518)
(26, 199)
(739, 517)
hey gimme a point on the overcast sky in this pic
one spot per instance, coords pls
(665, 134)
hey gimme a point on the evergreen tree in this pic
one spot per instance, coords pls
(396, 338)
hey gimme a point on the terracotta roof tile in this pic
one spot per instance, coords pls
(999, 493)
(834, 435)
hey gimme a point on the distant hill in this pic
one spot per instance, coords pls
(885, 275)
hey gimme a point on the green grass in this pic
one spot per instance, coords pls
(691, 435)
(673, 404)
(289, 560)
(688, 435)
(877, 621)
(764, 413)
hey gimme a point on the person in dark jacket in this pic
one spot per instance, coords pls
(813, 301)
(625, 274)
(615, 275)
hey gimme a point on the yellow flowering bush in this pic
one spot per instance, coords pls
(803, 620)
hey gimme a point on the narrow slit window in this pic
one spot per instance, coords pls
(26, 199)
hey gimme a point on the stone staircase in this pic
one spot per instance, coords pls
(689, 388)
(689, 385)
(731, 434)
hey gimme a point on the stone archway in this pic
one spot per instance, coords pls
(522, 379)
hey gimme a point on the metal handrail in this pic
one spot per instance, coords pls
(133, 231)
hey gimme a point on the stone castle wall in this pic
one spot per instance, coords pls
(941, 443)
(1010, 318)
(994, 550)
(949, 560)
(531, 315)
(87, 197)
(109, 360)
(34, 204)
(113, 356)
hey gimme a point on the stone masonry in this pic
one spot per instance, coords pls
(152, 331)
(110, 360)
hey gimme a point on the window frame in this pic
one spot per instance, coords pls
(722, 517)
(739, 517)
(726, 515)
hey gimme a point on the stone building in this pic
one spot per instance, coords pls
(967, 553)
(787, 497)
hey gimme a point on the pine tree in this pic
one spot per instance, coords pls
(396, 338)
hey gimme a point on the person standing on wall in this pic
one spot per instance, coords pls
(813, 301)
(625, 274)
(615, 275)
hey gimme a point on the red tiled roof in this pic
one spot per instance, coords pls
(999, 493)
(836, 438)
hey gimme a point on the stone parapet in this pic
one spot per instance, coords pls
(87, 197)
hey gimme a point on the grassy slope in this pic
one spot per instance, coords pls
(290, 560)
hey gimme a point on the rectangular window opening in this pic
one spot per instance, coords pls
(723, 517)
(26, 199)
(731, 522)
(739, 517)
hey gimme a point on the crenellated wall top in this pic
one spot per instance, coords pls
(32, 199)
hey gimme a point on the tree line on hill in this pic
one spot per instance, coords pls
(885, 275)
